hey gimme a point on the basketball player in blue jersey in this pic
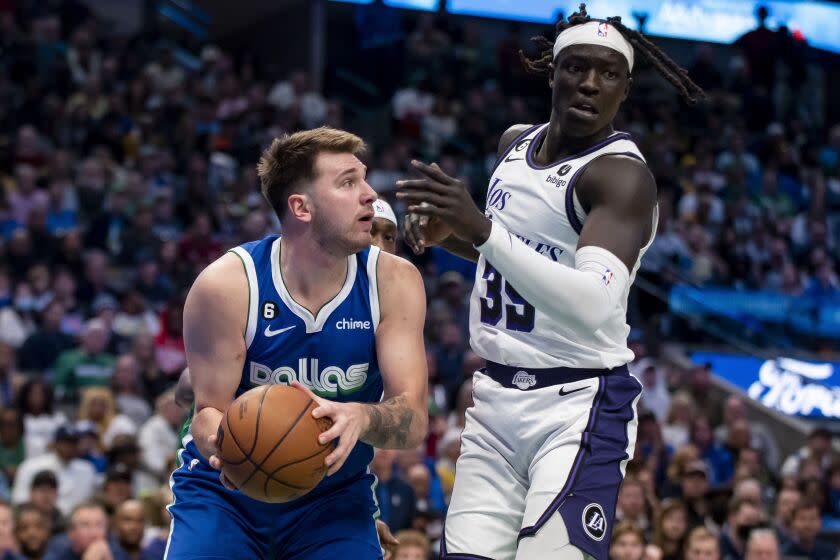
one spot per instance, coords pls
(318, 308)
(571, 208)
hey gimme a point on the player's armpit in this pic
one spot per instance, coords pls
(215, 316)
(619, 194)
(401, 419)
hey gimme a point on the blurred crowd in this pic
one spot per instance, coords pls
(125, 168)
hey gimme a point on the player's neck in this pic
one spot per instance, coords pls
(556, 145)
(312, 275)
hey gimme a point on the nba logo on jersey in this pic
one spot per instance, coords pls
(594, 521)
(607, 277)
(524, 380)
(602, 29)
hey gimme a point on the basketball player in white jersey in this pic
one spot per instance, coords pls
(571, 208)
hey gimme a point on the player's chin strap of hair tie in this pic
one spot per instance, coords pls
(595, 33)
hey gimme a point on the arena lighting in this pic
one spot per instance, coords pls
(424, 5)
(715, 21)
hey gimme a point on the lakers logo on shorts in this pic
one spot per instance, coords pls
(524, 380)
(594, 521)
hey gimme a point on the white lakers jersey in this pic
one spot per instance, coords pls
(538, 204)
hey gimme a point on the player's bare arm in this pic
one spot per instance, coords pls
(400, 421)
(618, 212)
(214, 323)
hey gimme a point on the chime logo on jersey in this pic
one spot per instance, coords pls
(524, 380)
(594, 521)
(328, 382)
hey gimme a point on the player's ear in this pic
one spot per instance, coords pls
(551, 75)
(627, 88)
(300, 207)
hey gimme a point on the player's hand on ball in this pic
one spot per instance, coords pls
(440, 196)
(420, 232)
(348, 420)
(389, 542)
(217, 463)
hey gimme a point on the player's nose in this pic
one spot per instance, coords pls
(589, 85)
(368, 194)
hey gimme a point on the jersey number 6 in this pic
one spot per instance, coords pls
(519, 314)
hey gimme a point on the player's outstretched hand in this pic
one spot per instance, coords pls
(348, 421)
(389, 542)
(217, 463)
(440, 196)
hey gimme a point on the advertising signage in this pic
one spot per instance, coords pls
(793, 387)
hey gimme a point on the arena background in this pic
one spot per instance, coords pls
(129, 132)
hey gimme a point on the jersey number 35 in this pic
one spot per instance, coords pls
(518, 313)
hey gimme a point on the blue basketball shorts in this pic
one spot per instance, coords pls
(210, 521)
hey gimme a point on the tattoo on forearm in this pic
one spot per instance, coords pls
(390, 423)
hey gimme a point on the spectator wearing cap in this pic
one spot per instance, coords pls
(90, 447)
(158, 436)
(44, 497)
(694, 483)
(87, 366)
(76, 477)
(743, 516)
(817, 447)
(117, 487)
(806, 525)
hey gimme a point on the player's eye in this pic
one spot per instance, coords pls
(610, 75)
(390, 238)
(575, 68)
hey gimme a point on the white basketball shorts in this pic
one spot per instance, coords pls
(539, 444)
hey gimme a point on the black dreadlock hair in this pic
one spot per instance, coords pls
(669, 69)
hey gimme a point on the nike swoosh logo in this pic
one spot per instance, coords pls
(269, 332)
(507, 159)
(564, 393)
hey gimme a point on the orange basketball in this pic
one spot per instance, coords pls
(268, 441)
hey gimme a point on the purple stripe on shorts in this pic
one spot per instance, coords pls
(593, 416)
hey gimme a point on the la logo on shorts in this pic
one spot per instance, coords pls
(524, 380)
(594, 521)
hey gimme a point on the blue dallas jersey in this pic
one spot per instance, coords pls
(332, 353)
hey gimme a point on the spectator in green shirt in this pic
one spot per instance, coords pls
(86, 366)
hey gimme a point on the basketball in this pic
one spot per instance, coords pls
(268, 441)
